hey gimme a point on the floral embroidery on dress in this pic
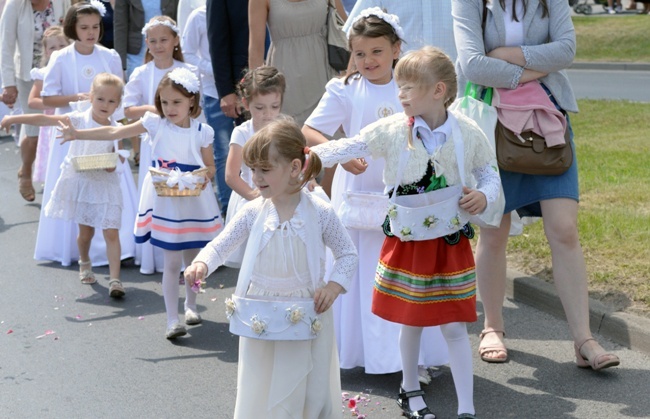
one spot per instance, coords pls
(42, 20)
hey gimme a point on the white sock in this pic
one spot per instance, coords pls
(409, 345)
(173, 260)
(460, 362)
(190, 296)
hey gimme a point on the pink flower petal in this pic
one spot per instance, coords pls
(9, 331)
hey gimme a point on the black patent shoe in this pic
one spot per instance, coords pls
(403, 402)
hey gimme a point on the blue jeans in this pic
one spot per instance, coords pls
(222, 126)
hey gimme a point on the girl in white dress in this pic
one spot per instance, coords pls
(261, 92)
(179, 225)
(53, 40)
(67, 81)
(370, 93)
(285, 257)
(92, 198)
(163, 55)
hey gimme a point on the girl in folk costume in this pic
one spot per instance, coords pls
(365, 96)
(53, 40)
(261, 92)
(67, 81)
(287, 231)
(178, 225)
(92, 198)
(425, 276)
(163, 55)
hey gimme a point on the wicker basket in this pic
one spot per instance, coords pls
(94, 162)
(162, 189)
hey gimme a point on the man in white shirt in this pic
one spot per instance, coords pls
(425, 22)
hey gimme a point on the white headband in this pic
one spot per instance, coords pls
(99, 6)
(392, 20)
(157, 22)
(184, 77)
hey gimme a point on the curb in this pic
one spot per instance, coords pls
(625, 329)
(582, 65)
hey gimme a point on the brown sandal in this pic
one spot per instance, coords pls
(115, 288)
(483, 349)
(26, 188)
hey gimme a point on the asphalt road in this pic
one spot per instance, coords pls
(608, 84)
(68, 351)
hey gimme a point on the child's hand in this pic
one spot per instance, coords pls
(473, 201)
(6, 123)
(324, 297)
(206, 181)
(310, 185)
(67, 130)
(196, 272)
(355, 166)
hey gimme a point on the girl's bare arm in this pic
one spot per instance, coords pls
(106, 133)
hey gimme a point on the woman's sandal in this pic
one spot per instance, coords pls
(136, 159)
(598, 362)
(403, 402)
(86, 276)
(115, 288)
(484, 349)
(26, 188)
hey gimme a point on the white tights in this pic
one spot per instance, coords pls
(460, 362)
(174, 261)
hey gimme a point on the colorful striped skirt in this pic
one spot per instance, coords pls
(425, 283)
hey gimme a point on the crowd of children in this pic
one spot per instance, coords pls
(399, 285)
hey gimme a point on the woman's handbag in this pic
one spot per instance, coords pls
(477, 105)
(527, 153)
(362, 210)
(338, 54)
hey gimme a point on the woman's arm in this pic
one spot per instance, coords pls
(233, 179)
(339, 8)
(35, 101)
(258, 12)
(106, 133)
(515, 55)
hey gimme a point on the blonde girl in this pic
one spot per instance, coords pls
(180, 226)
(92, 199)
(261, 92)
(163, 55)
(428, 281)
(68, 78)
(53, 40)
(365, 96)
(287, 233)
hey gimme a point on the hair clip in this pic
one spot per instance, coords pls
(184, 77)
(392, 20)
(158, 22)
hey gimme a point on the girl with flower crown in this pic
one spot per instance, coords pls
(178, 225)
(163, 55)
(439, 172)
(66, 84)
(287, 230)
(363, 97)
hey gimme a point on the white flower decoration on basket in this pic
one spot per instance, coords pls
(316, 325)
(258, 326)
(99, 6)
(157, 22)
(391, 19)
(230, 307)
(184, 77)
(295, 314)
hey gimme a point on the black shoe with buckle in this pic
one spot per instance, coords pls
(403, 402)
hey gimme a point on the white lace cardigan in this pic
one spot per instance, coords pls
(388, 137)
(331, 230)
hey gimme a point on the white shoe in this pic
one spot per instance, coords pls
(175, 330)
(192, 317)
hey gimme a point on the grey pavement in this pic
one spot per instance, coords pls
(68, 351)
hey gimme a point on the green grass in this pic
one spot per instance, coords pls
(613, 38)
(613, 151)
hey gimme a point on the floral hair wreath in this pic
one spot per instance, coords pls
(185, 78)
(391, 19)
(99, 6)
(157, 22)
